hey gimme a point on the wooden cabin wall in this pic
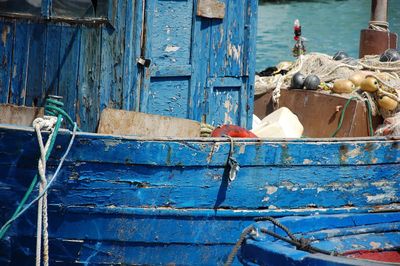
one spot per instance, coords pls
(82, 63)
(201, 68)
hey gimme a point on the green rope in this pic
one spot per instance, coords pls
(342, 116)
(35, 179)
(371, 130)
(54, 108)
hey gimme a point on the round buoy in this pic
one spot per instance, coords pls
(370, 84)
(297, 81)
(357, 78)
(343, 86)
(340, 55)
(387, 103)
(312, 82)
(390, 55)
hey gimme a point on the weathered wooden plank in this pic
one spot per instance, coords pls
(78, 252)
(198, 106)
(20, 63)
(69, 68)
(218, 48)
(7, 31)
(344, 233)
(214, 152)
(88, 111)
(36, 64)
(19, 115)
(121, 122)
(52, 61)
(133, 28)
(171, 33)
(211, 9)
(235, 40)
(112, 58)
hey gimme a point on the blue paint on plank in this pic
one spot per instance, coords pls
(69, 68)
(6, 54)
(171, 33)
(36, 64)
(249, 59)
(169, 96)
(343, 234)
(70, 252)
(52, 61)
(88, 110)
(112, 58)
(20, 63)
(235, 21)
(132, 51)
(200, 65)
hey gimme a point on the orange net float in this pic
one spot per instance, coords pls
(232, 131)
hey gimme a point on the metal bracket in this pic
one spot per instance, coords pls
(143, 61)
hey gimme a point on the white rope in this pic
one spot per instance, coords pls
(379, 25)
(45, 123)
(48, 184)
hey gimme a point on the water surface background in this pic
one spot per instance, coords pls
(329, 26)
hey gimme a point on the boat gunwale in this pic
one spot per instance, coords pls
(353, 140)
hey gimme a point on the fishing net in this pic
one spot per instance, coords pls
(329, 70)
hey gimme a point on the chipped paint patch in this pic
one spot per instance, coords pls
(242, 149)
(271, 189)
(379, 198)
(228, 107)
(375, 245)
(171, 48)
(265, 199)
(5, 32)
(110, 144)
(353, 153)
(307, 161)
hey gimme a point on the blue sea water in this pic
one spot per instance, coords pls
(329, 26)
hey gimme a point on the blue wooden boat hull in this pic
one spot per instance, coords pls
(158, 201)
(333, 233)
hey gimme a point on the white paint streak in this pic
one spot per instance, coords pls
(228, 107)
(265, 199)
(381, 197)
(171, 48)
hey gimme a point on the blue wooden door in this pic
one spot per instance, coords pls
(199, 65)
(165, 89)
(229, 91)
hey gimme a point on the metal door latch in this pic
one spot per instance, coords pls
(143, 61)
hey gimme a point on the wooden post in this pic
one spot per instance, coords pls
(373, 41)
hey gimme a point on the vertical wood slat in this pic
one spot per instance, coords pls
(69, 67)
(89, 79)
(235, 26)
(112, 58)
(52, 61)
(36, 59)
(249, 58)
(6, 43)
(20, 63)
(133, 22)
(200, 63)
(145, 86)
